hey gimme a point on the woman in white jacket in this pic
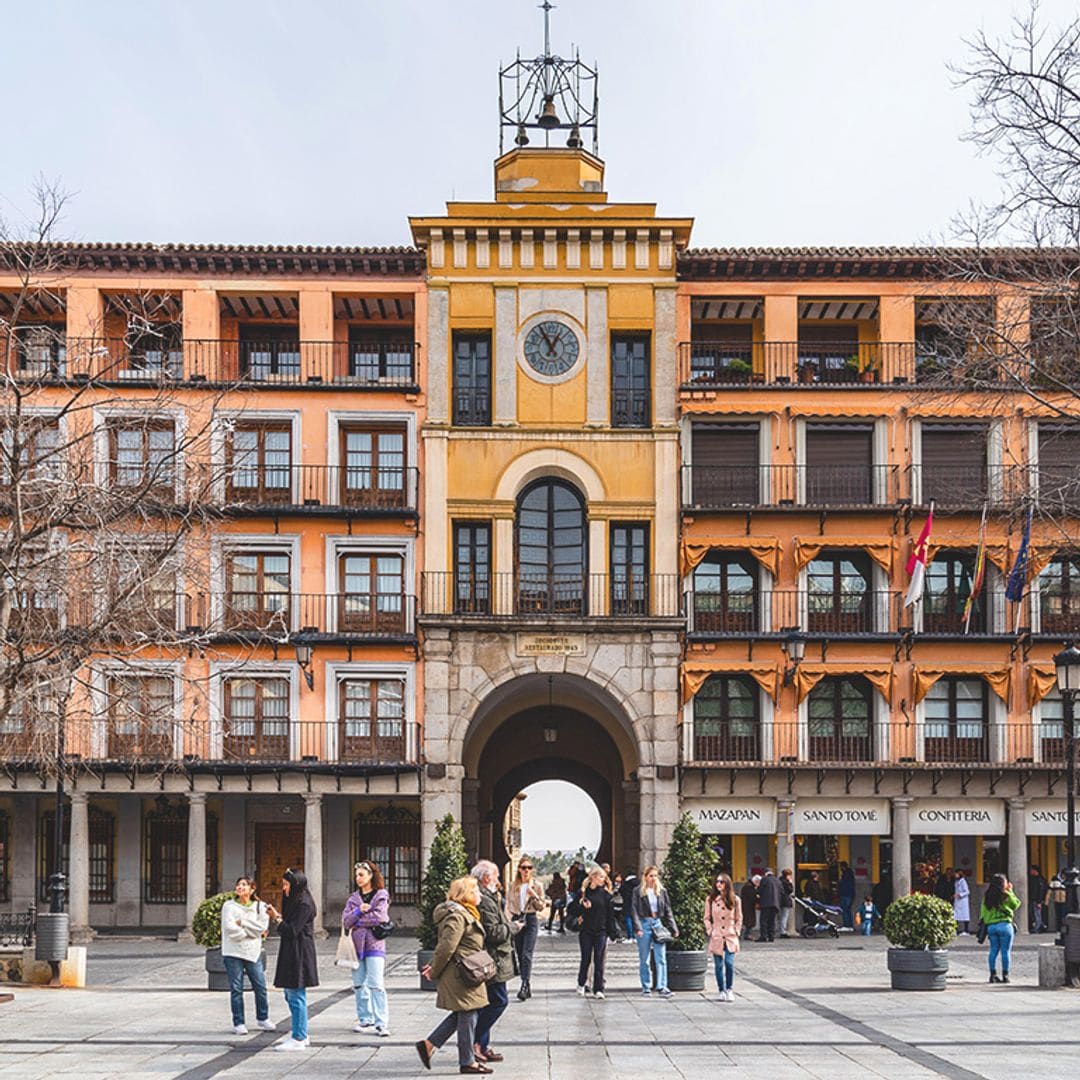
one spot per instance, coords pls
(244, 922)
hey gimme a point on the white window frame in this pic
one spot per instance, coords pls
(264, 543)
(223, 422)
(339, 545)
(337, 671)
(766, 721)
(248, 669)
(102, 416)
(337, 418)
(104, 670)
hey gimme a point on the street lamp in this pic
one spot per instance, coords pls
(1067, 665)
(794, 646)
(304, 650)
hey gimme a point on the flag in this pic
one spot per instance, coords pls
(1014, 588)
(916, 565)
(980, 573)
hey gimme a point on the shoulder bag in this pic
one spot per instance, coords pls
(661, 934)
(477, 968)
(980, 933)
(346, 951)
(384, 929)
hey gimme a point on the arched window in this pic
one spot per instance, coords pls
(957, 718)
(726, 720)
(725, 594)
(838, 720)
(552, 556)
(838, 593)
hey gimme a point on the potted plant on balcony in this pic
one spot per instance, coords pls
(206, 929)
(919, 928)
(738, 370)
(687, 876)
(446, 863)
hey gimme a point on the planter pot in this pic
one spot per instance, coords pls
(686, 970)
(216, 976)
(423, 958)
(918, 969)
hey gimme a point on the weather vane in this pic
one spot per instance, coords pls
(548, 94)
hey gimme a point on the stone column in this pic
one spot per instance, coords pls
(901, 846)
(79, 869)
(785, 845)
(1018, 860)
(313, 854)
(196, 859)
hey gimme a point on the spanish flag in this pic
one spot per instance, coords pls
(916, 564)
(980, 573)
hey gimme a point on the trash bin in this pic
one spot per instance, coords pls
(52, 933)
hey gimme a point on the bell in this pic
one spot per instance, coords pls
(521, 139)
(548, 117)
(574, 142)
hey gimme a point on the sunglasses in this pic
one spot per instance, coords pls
(524, 867)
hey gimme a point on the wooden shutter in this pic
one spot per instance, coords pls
(725, 464)
(954, 463)
(1059, 448)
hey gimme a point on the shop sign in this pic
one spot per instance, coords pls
(551, 644)
(1048, 817)
(733, 816)
(841, 817)
(958, 817)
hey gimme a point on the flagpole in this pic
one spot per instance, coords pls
(980, 556)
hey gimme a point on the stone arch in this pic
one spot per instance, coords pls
(550, 462)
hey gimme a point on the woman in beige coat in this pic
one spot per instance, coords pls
(723, 924)
(461, 933)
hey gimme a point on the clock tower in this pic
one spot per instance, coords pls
(551, 598)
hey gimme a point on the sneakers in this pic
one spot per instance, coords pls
(666, 993)
(582, 991)
(291, 1045)
(646, 992)
(266, 1025)
(362, 1026)
(382, 1033)
(239, 1029)
(599, 995)
(729, 995)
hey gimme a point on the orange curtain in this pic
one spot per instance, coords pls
(807, 676)
(925, 677)
(765, 674)
(766, 551)
(998, 554)
(1041, 680)
(808, 547)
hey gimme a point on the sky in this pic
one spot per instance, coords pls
(775, 122)
(557, 816)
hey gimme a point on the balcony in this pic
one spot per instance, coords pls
(769, 614)
(967, 487)
(845, 743)
(336, 616)
(525, 596)
(378, 365)
(738, 487)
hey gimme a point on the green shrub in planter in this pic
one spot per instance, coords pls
(920, 922)
(206, 926)
(687, 876)
(447, 863)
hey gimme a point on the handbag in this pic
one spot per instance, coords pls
(384, 929)
(661, 934)
(345, 956)
(477, 968)
(980, 933)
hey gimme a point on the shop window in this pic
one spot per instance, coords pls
(957, 714)
(839, 720)
(726, 720)
(995, 857)
(926, 862)
(725, 595)
(102, 837)
(390, 838)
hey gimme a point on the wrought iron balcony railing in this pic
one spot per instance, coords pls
(312, 488)
(726, 487)
(773, 612)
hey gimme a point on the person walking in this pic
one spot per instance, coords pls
(748, 899)
(654, 924)
(868, 912)
(525, 902)
(574, 874)
(556, 894)
(460, 934)
(628, 888)
(961, 903)
(787, 904)
(618, 907)
(998, 908)
(597, 914)
(847, 894)
(244, 922)
(297, 965)
(1038, 896)
(366, 909)
(499, 942)
(770, 895)
(723, 926)
(1059, 898)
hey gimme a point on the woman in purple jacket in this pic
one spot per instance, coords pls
(368, 907)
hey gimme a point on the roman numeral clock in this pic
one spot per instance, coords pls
(551, 348)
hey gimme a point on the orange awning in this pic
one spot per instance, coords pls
(808, 547)
(807, 676)
(925, 677)
(764, 673)
(766, 551)
(1041, 680)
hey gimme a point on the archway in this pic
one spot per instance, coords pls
(556, 816)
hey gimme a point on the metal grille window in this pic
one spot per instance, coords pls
(631, 397)
(256, 719)
(725, 595)
(957, 714)
(839, 712)
(472, 379)
(165, 833)
(1059, 596)
(390, 838)
(838, 594)
(372, 720)
(268, 352)
(102, 854)
(374, 467)
(260, 463)
(726, 720)
(257, 586)
(141, 711)
(378, 357)
(5, 832)
(630, 568)
(372, 595)
(472, 567)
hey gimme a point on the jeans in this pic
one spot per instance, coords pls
(236, 968)
(1000, 936)
(1036, 921)
(489, 1015)
(464, 1023)
(524, 944)
(629, 927)
(768, 924)
(725, 969)
(785, 919)
(560, 907)
(593, 947)
(297, 1002)
(367, 980)
(659, 955)
(867, 925)
(846, 903)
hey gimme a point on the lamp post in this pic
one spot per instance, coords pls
(794, 646)
(304, 650)
(1067, 665)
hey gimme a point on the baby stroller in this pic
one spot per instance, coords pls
(819, 918)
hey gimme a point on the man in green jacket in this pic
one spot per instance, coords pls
(498, 940)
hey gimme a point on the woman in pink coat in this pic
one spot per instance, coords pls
(723, 924)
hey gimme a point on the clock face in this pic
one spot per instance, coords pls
(551, 348)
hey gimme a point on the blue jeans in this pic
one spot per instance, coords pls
(236, 968)
(490, 1013)
(725, 970)
(1000, 936)
(846, 904)
(524, 944)
(297, 1002)
(367, 980)
(659, 955)
(629, 927)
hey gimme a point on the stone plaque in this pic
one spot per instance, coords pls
(551, 644)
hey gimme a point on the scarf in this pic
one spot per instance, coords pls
(472, 910)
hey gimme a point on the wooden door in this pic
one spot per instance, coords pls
(277, 847)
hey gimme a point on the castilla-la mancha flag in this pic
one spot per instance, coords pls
(916, 565)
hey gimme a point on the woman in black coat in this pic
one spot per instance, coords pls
(597, 913)
(297, 967)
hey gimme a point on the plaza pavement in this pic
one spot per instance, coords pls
(819, 1009)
